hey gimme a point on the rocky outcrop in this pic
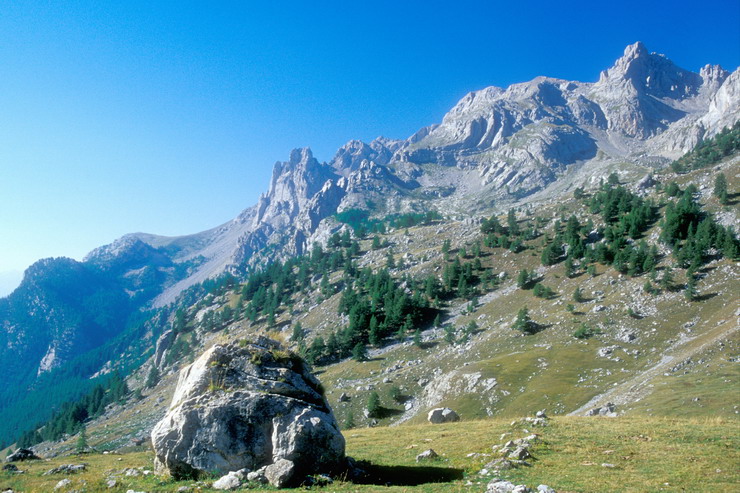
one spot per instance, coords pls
(22, 454)
(246, 406)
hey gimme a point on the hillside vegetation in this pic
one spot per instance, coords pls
(619, 296)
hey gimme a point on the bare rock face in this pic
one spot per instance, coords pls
(246, 406)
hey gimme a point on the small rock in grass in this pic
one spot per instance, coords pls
(64, 483)
(230, 481)
(66, 469)
(427, 455)
(520, 453)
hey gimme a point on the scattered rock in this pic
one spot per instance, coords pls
(543, 488)
(427, 455)
(498, 486)
(280, 472)
(520, 453)
(64, 483)
(645, 183)
(111, 483)
(442, 415)
(231, 481)
(606, 351)
(344, 397)
(499, 465)
(66, 469)
(244, 406)
(608, 410)
(626, 335)
(10, 468)
(608, 466)
(22, 454)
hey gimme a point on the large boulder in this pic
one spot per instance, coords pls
(245, 406)
(442, 415)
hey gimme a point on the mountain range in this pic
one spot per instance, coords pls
(496, 148)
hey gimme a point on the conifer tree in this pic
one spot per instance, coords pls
(359, 352)
(690, 289)
(523, 323)
(522, 279)
(373, 405)
(82, 440)
(720, 188)
(417, 337)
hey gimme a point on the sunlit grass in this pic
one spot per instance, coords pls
(647, 454)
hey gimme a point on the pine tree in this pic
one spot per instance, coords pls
(82, 441)
(390, 262)
(374, 335)
(522, 280)
(417, 337)
(359, 352)
(523, 323)
(449, 334)
(373, 405)
(297, 334)
(720, 188)
(666, 281)
(690, 290)
(512, 224)
(578, 295)
(152, 378)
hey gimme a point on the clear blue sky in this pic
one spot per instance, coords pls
(167, 117)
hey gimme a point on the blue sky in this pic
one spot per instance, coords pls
(167, 117)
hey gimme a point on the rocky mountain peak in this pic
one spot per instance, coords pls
(297, 179)
(350, 156)
(301, 155)
(650, 74)
(713, 76)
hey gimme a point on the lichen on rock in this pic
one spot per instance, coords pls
(243, 406)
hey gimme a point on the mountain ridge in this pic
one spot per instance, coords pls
(526, 144)
(504, 144)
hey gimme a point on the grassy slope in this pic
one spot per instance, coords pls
(683, 363)
(649, 454)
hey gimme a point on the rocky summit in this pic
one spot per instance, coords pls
(244, 406)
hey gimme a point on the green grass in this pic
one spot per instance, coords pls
(648, 454)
